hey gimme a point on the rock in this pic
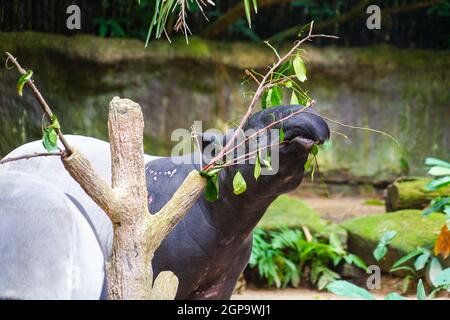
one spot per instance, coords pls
(413, 230)
(290, 212)
(411, 193)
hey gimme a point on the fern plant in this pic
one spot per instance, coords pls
(286, 256)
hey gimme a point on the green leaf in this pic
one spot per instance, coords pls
(422, 260)
(274, 97)
(394, 296)
(315, 150)
(294, 99)
(257, 170)
(239, 184)
(443, 279)
(406, 268)
(436, 162)
(255, 6)
(447, 210)
(381, 249)
(22, 80)
(299, 68)
(50, 139)
(421, 294)
(438, 183)
(212, 189)
(308, 163)
(388, 236)
(264, 100)
(439, 171)
(346, 289)
(54, 123)
(281, 134)
(436, 205)
(267, 162)
(355, 260)
(409, 256)
(248, 13)
(434, 271)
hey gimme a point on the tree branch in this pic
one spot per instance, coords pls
(29, 156)
(260, 90)
(48, 112)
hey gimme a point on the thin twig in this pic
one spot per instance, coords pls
(29, 156)
(255, 134)
(357, 127)
(45, 107)
(262, 86)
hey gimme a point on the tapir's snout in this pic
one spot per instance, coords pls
(306, 126)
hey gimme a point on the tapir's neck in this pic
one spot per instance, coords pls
(237, 218)
(237, 215)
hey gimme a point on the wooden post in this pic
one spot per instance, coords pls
(137, 233)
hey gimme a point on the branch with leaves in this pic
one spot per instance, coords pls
(269, 85)
(52, 131)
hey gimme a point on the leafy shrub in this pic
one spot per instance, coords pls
(440, 170)
(285, 257)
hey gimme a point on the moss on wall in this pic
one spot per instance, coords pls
(402, 92)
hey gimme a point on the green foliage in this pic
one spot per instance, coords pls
(439, 278)
(50, 136)
(212, 184)
(421, 294)
(286, 256)
(347, 289)
(239, 184)
(110, 27)
(248, 12)
(440, 169)
(299, 68)
(257, 169)
(381, 249)
(22, 80)
(283, 79)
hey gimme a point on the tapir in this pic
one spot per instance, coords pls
(207, 250)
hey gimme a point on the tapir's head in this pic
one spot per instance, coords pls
(301, 132)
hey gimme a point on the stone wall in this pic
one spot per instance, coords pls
(402, 92)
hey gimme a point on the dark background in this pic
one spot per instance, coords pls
(405, 23)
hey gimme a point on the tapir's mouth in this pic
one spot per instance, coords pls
(305, 143)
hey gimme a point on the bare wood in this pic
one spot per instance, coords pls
(126, 133)
(92, 183)
(137, 233)
(30, 156)
(165, 286)
(45, 107)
